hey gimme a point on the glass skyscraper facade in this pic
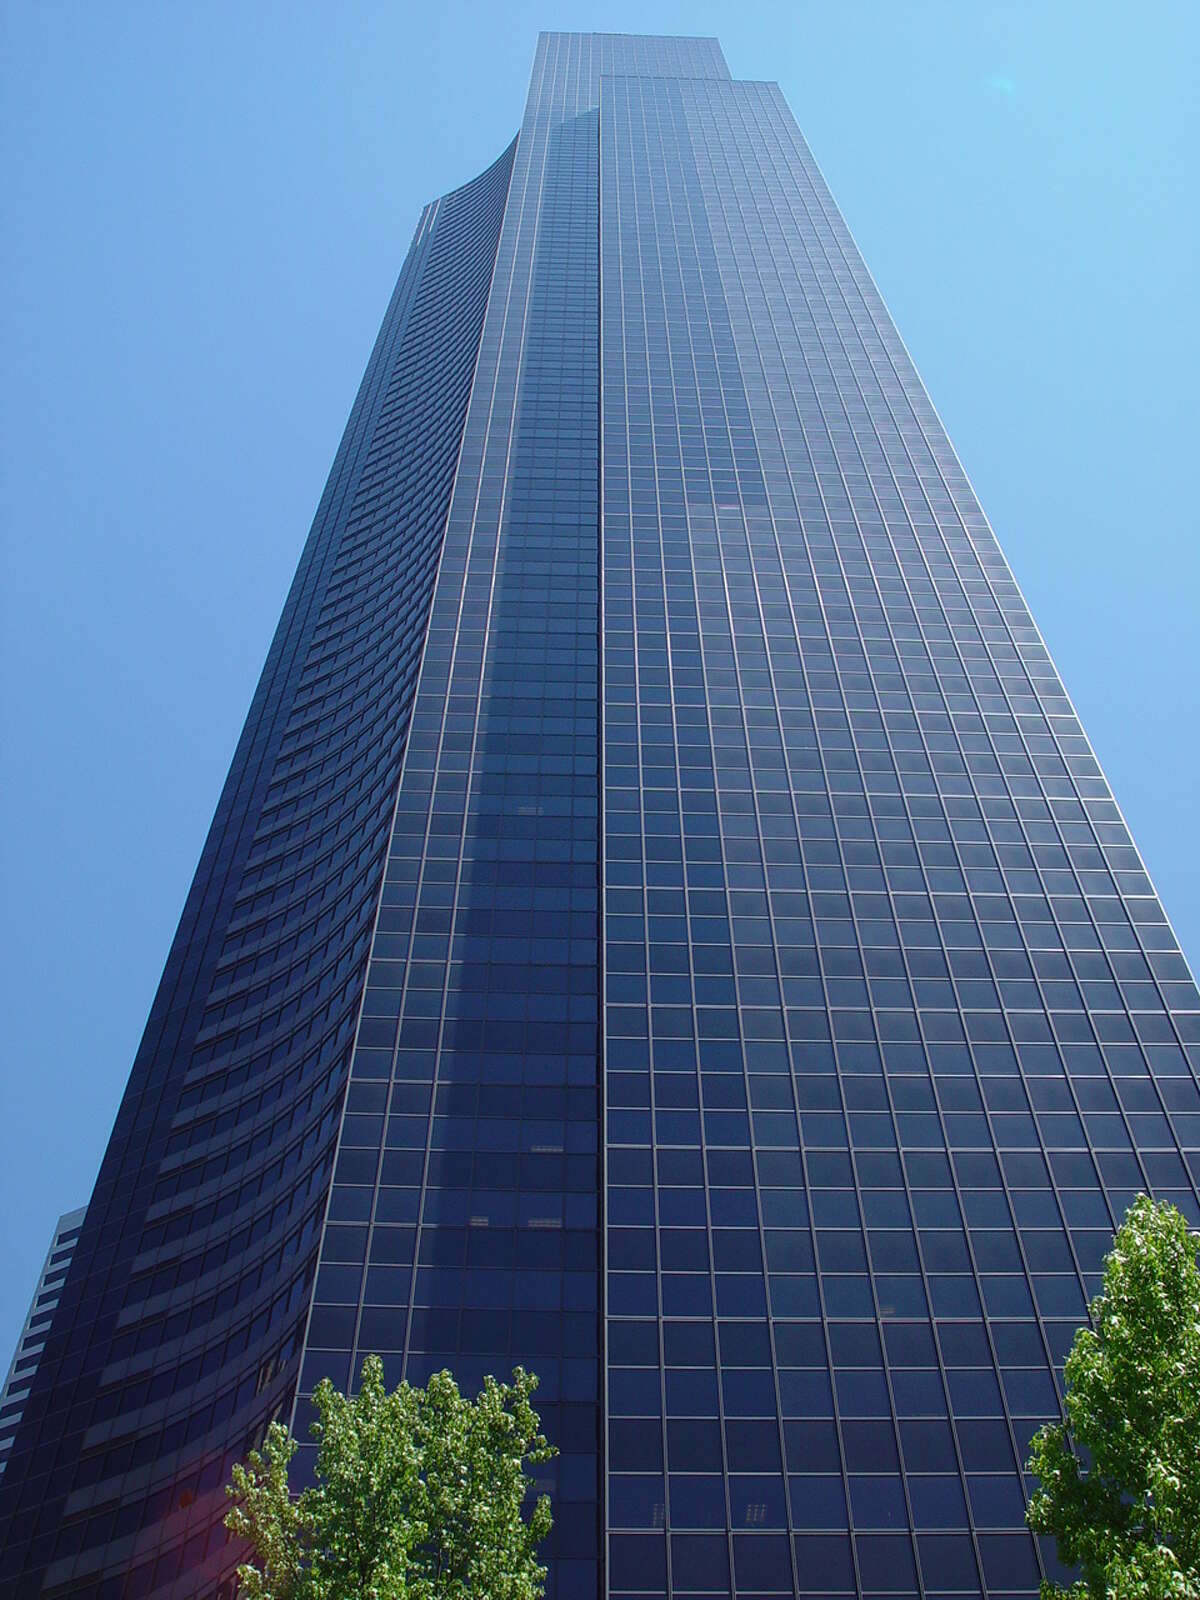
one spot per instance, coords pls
(32, 1338)
(664, 925)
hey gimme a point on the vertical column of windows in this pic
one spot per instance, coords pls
(469, 1239)
(466, 1179)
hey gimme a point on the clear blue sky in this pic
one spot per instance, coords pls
(204, 207)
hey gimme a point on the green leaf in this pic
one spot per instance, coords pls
(1119, 1475)
(419, 1494)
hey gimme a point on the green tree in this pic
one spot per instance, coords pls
(1120, 1475)
(418, 1496)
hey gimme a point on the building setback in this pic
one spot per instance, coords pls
(664, 925)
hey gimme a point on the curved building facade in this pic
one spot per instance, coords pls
(179, 1331)
(664, 925)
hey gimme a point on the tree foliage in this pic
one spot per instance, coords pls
(1120, 1475)
(418, 1496)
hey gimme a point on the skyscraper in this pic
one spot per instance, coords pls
(37, 1322)
(664, 925)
